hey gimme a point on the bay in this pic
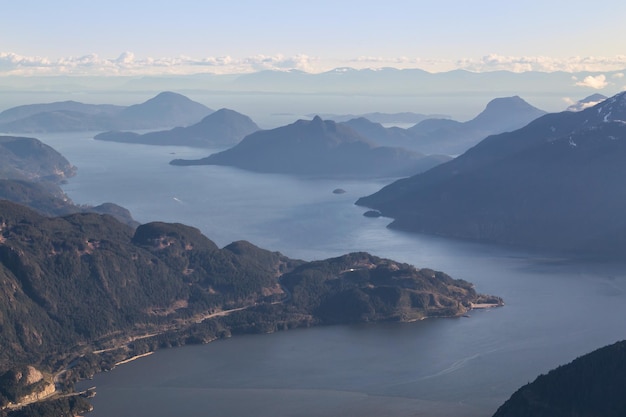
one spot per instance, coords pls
(555, 309)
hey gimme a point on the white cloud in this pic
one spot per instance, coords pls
(280, 62)
(129, 64)
(493, 62)
(126, 58)
(8, 61)
(433, 65)
(598, 82)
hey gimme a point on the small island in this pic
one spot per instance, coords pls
(372, 213)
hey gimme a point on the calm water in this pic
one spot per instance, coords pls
(555, 311)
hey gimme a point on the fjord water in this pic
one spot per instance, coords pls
(555, 310)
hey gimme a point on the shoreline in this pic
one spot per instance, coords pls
(481, 306)
(143, 355)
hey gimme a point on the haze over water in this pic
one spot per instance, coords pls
(555, 310)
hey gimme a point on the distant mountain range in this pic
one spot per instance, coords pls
(446, 136)
(387, 81)
(554, 184)
(382, 118)
(167, 109)
(318, 148)
(592, 385)
(222, 128)
(413, 81)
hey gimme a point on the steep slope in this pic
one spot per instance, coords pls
(48, 199)
(592, 385)
(453, 138)
(56, 272)
(223, 127)
(553, 184)
(317, 148)
(30, 172)
(29, 158)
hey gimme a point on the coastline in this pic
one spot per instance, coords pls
(143, 355)
(482, 306)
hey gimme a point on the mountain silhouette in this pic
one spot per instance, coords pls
(167, 109)
(591, 385)
(453, 138)
(317, 148)
(588, 101)
(221, 128)
(554, 184)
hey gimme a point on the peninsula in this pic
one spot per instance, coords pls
(166, 284)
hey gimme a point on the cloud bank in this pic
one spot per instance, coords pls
(494, 62)
(598, 82)
(129, 64)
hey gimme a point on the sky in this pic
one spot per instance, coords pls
(114, 37)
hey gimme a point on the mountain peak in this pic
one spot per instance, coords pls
(167, 96)
(165, 109)
(224, 112)
(501, 109)
(588, 101)
(509, 102)
(236, 121)
(611, 109)
(318, 125)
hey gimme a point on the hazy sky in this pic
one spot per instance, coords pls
(133, 36)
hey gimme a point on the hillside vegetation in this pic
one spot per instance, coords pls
(83, 283)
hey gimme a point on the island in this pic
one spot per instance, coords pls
(222, 128)
(319, 148)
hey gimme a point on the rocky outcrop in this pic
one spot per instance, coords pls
(25, 385)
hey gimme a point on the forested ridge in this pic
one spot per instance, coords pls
(592, 385)
(87, 291)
